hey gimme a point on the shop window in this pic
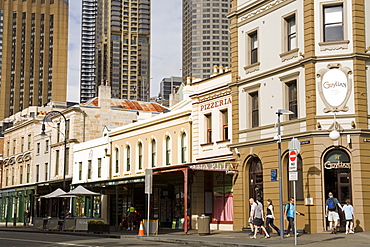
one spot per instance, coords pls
(299, 182)
(333, 23)
(183, 147)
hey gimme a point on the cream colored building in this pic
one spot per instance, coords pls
(40, 163)
(309, 57)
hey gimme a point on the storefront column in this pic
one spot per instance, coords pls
(185, 171)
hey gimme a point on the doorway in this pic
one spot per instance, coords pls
(256, 179)
(337, 177)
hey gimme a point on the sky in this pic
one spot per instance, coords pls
(166, 44)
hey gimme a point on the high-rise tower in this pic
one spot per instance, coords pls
(33, 53)
(206, 39)
(116, 48)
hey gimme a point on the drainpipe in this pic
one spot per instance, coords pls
(83, 126)
(185, 171)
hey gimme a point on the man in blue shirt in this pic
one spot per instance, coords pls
(289, 216)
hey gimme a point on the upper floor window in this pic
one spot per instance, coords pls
(183, 147)
(253, 39)
(38, 148)
(254, 109)
(128, 158)
(20, 174)
(168, 150)
(99, 167)
(292, 99)
(116, 160)
(333, 22)
(80, 171)
(14, 146)
(225, 124)
(46, 145)
(58, 132)
(89, 169)
(22, 144)
(29, 142)
(28, 173)
(208, 123)
(56, 162)
(153, 152)
(291, 32)
(140, 155)
(37, 173)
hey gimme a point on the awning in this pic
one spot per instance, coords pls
(80, 191)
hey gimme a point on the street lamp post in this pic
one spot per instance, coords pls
(279, 113)
(65, 142)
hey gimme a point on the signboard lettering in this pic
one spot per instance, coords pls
(215, 104)
(336, 165)
(219, 166)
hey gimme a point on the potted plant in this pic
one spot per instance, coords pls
(97, 226)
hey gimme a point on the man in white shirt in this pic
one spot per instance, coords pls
(252, 213)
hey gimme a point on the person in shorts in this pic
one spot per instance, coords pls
(332, 205)
(258, 220)
(251, 214)
(350, 215)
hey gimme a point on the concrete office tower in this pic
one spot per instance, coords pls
(167, 87)
(33, 53)
(116, 48)
(206, 39)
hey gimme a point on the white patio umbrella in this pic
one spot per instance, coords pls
(79, 191)
(56, 193)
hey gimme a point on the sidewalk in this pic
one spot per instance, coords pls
(224, 238)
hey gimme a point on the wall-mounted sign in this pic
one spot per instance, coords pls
(335, 87)
(336, 165)
(366, 140)
(305, 142)
(273, 174)
(217, 166)
(215, 104)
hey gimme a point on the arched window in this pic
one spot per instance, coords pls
(153, 153)
(183, 147)
(168, 151)
(117, 160)
(140, 155)
(128, 159)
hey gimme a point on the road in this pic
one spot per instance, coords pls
(29, 239)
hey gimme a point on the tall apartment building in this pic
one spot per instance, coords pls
(206, 40)
(116, 48)
(33, 53)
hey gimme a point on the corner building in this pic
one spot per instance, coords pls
(309, 57)
(33, 54)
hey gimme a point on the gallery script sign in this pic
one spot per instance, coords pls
(217, 166)
(215, 104)
(335, 87)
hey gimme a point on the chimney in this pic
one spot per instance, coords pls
(104, 95)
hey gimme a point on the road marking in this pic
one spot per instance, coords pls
(44, 242)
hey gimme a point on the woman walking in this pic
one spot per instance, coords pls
(270, 218)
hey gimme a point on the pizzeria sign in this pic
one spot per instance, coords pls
(216, 166)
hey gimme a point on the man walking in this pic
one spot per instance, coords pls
(332, 205)
(251, 214)
(130, 218)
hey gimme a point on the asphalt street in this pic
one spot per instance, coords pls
(29, 239)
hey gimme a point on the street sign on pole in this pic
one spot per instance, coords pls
(148, 181)
(294, 144)
(293, 176)
(293, 160)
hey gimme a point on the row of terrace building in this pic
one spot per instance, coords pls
(217, 147)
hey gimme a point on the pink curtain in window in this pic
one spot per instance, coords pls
(223, 207)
